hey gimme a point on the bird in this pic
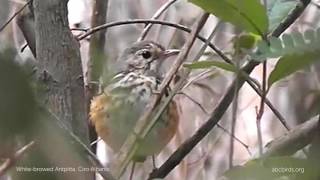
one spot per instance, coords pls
(115, 111)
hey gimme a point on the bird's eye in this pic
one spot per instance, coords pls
(146, 54)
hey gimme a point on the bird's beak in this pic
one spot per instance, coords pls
(170, 52)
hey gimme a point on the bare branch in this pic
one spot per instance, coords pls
(14, 15)
(160, 11)
(292, 141)
(10, 162)
(260, 111)
(236, 138)
(255, 86)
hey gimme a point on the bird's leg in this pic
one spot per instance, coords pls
(154, 162)
(132, 170)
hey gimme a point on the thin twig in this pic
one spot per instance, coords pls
(23, 47)
(194, 101)
(260, 111)
(264, 90)
(10, 162)
(14, 15)
(79, 29)
(160, 11)
(236, 138)
(147, 21)
(218, 112)
(218, 125)
(95, 141)
(198, 56)
(133, 21)
(201, 75)
(255, 86)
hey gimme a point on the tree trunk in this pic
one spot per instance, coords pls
(60, 68)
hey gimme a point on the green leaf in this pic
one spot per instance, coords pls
(290, 64)
(278, 10)
(247, 14)
(208, 64)
(289, 44)
(245, 42)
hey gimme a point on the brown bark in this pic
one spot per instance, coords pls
(60, 68)
(294, 140)
(60, 74)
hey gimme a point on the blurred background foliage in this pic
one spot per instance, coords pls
(22, 120)
(17, 107)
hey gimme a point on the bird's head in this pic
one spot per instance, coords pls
(145, 57)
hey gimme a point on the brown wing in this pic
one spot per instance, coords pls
(173, 122)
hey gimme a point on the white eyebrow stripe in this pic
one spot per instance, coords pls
(119, 75)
